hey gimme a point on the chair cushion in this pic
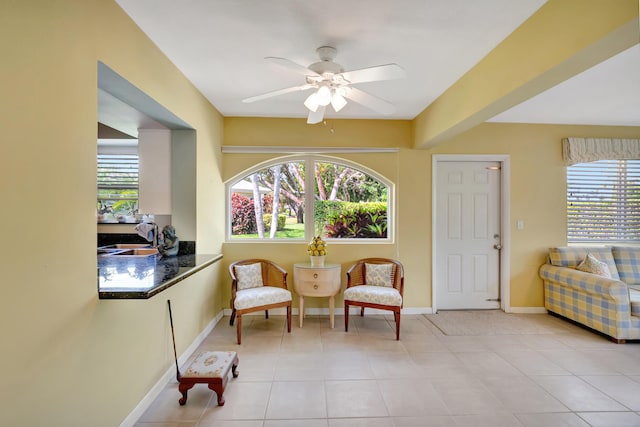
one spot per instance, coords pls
(210, 364)
(263, 295)
(374, 294)
(378, 274)
(571, 256)
(249, 276)
(592, 265)
(628, 263)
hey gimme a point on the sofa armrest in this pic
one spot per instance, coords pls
(585, 282)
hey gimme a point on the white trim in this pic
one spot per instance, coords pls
(317, 311)
(376, 312)
(505, 201)
(168, 376)
(231, 149)
(529, 310)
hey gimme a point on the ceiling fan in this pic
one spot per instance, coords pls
(333, 85)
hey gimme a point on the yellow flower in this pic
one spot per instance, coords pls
(317, 247)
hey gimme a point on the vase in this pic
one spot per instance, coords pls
(317, 260)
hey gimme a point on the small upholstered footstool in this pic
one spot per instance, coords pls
(211, 368)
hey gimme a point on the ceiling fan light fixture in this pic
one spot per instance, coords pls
(330, 84)
(324, 96)
(338, 102)
(312, 102)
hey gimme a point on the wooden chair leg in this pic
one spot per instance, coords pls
(362, 311)
(239, 329)
(346, 317)
(289, 318)
(233, 317)
(396, 314)
(266, 314)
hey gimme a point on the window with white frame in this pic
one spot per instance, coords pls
(347, 201)
(117, 178)
(603, 202)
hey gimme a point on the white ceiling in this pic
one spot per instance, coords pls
(220, 46)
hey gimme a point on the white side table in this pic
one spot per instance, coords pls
(311, 281)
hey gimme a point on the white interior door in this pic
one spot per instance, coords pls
(467, 238)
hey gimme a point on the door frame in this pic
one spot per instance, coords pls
(505, 229)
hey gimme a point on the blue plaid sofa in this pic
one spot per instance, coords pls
(608, 305)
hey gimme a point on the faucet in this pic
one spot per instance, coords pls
(144, 233)
(154, 241)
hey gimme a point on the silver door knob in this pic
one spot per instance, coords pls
(497, 246)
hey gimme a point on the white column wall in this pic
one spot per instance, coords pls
(154, 150)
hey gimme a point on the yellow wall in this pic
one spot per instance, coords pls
(393, 166)
(538, 190)
(537, 193)
(71, 359)
(74, 360)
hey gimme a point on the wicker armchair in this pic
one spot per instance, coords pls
(257, 284)
(375, 283)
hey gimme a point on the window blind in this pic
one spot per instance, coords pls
(603, 201)
(118, 173)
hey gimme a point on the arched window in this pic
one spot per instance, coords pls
(347, 201)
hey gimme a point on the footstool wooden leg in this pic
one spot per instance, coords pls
(184, 388)
(219, 390)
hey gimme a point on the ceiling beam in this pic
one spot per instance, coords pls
(562, 39)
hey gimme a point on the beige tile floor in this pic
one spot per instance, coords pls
(322, 377)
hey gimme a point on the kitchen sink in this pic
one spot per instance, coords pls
(127, 250)
(140, 252)
(109, 251)
(126, 246)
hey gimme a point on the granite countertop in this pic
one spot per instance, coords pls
(143, 277)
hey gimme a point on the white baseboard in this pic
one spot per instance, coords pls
(315, 311)
(417, 310)
(169, 375)
(528, 310)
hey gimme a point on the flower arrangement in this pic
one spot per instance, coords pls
(317, 247)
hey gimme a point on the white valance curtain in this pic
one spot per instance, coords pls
(583, 150)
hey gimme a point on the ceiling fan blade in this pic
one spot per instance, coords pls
(372, 102)
(373, 74)
(317, 116)
(290, 65)
(276, 93)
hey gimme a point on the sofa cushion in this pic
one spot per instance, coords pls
(628, 263)
(634, 297)
(593, 266)
(571, 256)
